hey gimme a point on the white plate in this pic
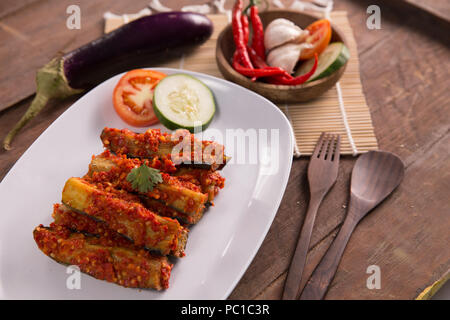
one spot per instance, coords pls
(220, 246)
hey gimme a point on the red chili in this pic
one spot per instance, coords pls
(238, 35)
(256, 73)
(297, 80)
(257, 61)
(258, 32)
(245, 28)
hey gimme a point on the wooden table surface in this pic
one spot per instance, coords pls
(405, 70)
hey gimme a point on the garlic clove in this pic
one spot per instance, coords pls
(281, 31)
(286, 56)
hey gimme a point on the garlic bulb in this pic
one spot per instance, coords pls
(286, 56)
(281, 31)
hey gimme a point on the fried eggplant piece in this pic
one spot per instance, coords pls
(209, 181)
(202, 154)
(178, 194)
(78, 222)
(125, 266)
(130, 219)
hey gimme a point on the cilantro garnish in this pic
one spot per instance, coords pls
(144, 178)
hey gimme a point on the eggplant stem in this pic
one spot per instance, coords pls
(51, 83)
(39, 102)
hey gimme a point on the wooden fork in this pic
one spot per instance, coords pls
(322, 173)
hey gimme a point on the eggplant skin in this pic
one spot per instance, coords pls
(139, 43)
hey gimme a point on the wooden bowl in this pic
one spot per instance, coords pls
(277, 93)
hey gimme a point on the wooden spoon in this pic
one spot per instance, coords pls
(375, 175)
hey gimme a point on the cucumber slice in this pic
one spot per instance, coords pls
(183, 101)
(330, 60)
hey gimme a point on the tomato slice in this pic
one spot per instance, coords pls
(133, 97)
(319, 37)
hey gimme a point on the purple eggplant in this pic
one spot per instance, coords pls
(142, 42)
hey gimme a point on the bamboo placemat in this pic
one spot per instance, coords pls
(350, 118)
